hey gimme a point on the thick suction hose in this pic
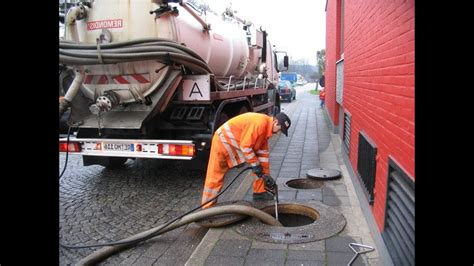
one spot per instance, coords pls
(163, 50)
(103, 253)
(65, 101)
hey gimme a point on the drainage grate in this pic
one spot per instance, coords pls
(399, 230)
(366, 165)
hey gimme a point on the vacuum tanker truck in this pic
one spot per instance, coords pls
(156, 78)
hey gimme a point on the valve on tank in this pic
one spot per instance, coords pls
(105, 102)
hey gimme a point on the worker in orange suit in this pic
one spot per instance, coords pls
(243, 139)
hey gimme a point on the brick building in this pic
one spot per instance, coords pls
(370, 102)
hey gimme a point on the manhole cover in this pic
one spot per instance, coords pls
(323, 174)
(304, 183)
(326, 222)
(224, 219)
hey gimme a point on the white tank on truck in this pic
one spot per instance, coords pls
(154, 79)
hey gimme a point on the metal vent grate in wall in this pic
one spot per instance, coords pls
(346, 135)
(399, 231)
(366, 165)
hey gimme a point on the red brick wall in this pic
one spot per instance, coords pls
(378, 82)
(332, 55)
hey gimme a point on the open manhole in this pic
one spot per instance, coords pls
(323, 174)
(304, 183)
(303, 222)
(291, 215)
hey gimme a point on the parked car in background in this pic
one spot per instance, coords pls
(292, 77)
(287, 92)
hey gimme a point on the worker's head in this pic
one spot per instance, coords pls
(281, 123)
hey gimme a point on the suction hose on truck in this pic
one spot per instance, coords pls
(163, 50)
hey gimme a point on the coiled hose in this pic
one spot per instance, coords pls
(103, 253)
(163, 50)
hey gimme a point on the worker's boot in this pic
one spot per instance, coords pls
(262, 196)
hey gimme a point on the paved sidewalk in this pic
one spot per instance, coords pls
(309, 145)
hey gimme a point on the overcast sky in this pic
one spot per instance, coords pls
(296, 26)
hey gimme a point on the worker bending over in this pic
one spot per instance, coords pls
(242, 139)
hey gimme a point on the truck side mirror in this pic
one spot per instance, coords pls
(285, 61)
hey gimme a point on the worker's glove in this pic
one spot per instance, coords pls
(269, 182)
(258, 170)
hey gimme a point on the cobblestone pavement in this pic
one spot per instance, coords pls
(99, 205)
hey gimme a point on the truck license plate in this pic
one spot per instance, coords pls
(116, 147)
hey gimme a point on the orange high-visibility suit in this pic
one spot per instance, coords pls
(241, 139)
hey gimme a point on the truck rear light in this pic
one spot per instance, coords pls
(176, 149)
(73, 147)
(160, 148)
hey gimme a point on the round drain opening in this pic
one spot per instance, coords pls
(304, 183)
(292, 215)
(327, 222)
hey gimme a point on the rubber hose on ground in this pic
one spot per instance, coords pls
(104, 253)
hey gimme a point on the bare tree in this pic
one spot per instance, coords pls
(321, 59)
